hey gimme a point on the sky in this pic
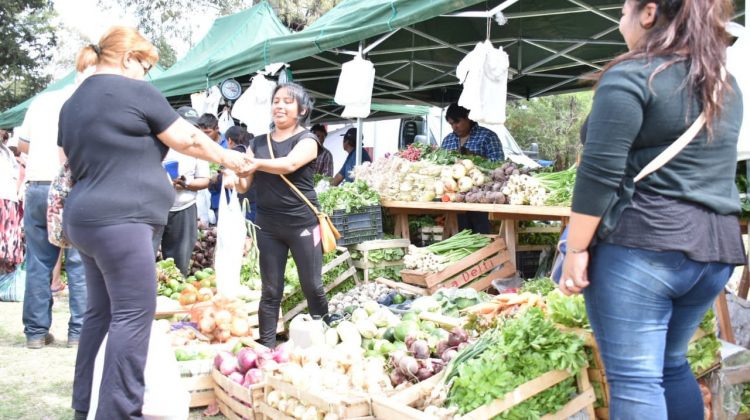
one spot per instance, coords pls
(88, 18)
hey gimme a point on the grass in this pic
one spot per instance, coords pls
(38, 384)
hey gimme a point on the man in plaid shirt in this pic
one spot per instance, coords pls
(468, 138)
(324, 161)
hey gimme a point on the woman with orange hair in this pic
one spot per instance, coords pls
(115, 131)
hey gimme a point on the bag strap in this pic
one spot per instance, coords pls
(292, 186)
(667, 154)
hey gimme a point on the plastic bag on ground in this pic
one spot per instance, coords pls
(165, 397)
(13, 285)
(230, 241)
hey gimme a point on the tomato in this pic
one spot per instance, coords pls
(205, 283)
(187, 298)
(196, 284)
(189, 288)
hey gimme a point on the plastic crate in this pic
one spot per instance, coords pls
(528, 263)
(363, 225)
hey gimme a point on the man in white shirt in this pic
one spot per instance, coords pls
(181, 231)
(38, 138)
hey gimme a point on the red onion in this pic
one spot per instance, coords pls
(246, 359)
(252, 377)
(236, 377)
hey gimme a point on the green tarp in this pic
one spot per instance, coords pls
(226, 45)
(416, 45)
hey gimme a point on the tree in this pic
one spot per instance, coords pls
(27, 37)
(553, 122)
(297, 14)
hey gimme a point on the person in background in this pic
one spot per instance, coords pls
(650, 279)
(469, 138)
(350, 146)
(120, 199)
(324, 161)
(177, 238)
(239, 139)
(11, 210)
(37, 138)
(209, 125)
(286, 222)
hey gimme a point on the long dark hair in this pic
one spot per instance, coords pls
(694, 32)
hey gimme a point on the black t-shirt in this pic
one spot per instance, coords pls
(278, 205)
(108, 131)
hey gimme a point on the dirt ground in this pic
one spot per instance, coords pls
(38, 384)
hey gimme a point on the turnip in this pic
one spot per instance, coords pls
(448, 355)
(420, 349)
(408, 366)
(457, 336)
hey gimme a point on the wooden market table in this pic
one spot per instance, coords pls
(508, 214)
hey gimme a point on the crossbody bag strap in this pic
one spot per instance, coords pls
(292, 186)
(667, 154)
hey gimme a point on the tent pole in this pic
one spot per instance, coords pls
(359, 142)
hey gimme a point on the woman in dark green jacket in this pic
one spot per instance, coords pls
(662, 260)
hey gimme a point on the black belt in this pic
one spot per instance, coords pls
(40, 182)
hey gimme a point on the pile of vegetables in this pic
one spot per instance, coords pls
(541, 286)
(452, 300)
(569, 311)
(703, 353)
(348, 301)
(420, 361)
(491, 192)
(246, 366)
(343, 370)
(524, 189)
(488, 315)
(560, 186)
(199, 287)
(221, 318)
(203, 251)
(169, 280)
(524, 348)
(434, 258)
(348, 197)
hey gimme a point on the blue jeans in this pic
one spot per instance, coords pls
(41, 257)
(644, 307)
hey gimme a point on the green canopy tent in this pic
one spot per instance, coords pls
(416, 45)
(13, 117)
(227, 44)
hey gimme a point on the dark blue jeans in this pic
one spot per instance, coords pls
(644, 307)
(41, 257)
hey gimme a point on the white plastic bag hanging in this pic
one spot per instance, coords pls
(231, 232)
(164, 397)
(738, 64)
(225, 120)
(254, 106)
(484, 75)
(354, 90)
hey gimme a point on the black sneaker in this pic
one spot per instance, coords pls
(80, 415)
(332, 318)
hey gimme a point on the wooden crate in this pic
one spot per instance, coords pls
(195, 376)
(343, 406)
(343, 258)
(365, 247)
(598, 376)
(235, 401)
(399, 406)
(493, 259)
